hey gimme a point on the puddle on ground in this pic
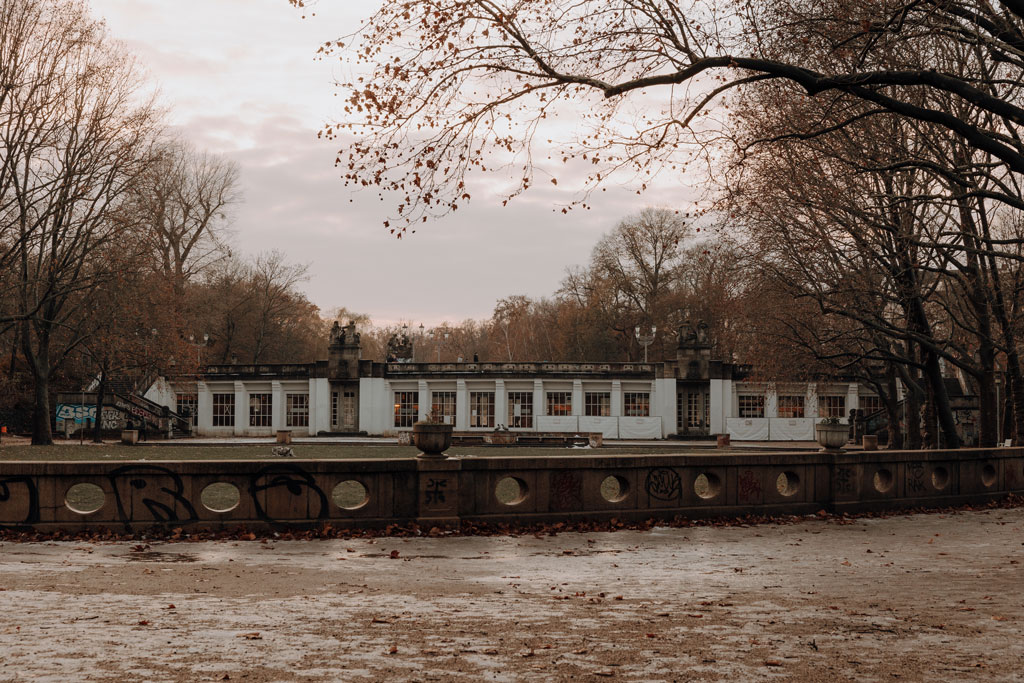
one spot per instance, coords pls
(424, 557)
(155, 556)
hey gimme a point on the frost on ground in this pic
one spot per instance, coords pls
(917, 598)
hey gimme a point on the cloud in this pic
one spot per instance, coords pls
(242, 81)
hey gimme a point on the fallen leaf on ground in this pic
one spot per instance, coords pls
(772, 662)
(253, 635)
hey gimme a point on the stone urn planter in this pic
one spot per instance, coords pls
(831, 436)
(432, 438)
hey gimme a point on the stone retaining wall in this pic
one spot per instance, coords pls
(354, 493)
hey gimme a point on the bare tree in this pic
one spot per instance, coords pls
(462, 85)
(184, 198)
(74, 137)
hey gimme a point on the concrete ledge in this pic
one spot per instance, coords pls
(375, 493)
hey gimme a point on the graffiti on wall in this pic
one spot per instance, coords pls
(663, 483)
(19, 489)
(293, 479)
(566, 491)
(70, 412)
(158, 489)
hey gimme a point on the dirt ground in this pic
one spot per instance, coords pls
(917, 598)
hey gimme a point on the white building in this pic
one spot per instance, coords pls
(689, 396)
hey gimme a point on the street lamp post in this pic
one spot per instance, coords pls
(645, 339)
(436, 336)
(199, 347)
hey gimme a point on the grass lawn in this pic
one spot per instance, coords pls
(73, 452)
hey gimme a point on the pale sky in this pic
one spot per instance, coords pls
(239, 79)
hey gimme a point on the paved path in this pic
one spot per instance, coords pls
(919, 598)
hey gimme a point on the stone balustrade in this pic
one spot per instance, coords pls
(360, 493)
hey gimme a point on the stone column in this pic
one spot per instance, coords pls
(424, 400)
(276, 407)
(811, 400)
(538, 401)
(461, 406)
(771, 401)
(241, 409)
(852, 397)
(616, 398)
(204, 408)
(500, 403)
(577, 398)
(319, 405)
(721, 405)
(663, 404)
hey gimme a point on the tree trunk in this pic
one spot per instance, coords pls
(930, 440)
(988, 413)
(943, 408)
(912, 404)
(892, 410)
(933, 374)
(42, 433)
(101, 392)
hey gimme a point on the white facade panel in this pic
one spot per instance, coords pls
(608, 426)
(747, 428)
(557, 423)
(639, 427)
(791, 429)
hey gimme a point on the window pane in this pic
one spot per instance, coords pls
(597, 403)
(442, 407)
(407, 408)
(751, 405)
(559, 403)
(790, 406)
(260, 410)
(187, 406)
(694, 412)
(297, 410)
(223, 410)
(832, 406)
(636, 403)
(481, 409)
(520, 409)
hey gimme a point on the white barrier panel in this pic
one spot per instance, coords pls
(557, 423)
(747, 428)
(640, 428)
(608, 426)
(791, 429)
